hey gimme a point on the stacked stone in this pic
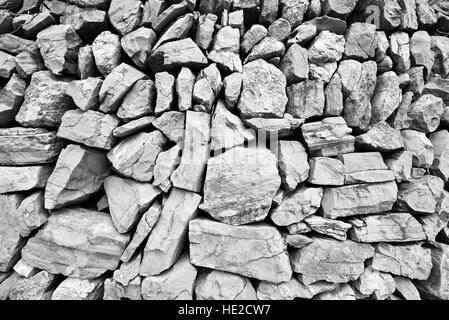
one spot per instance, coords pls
(224, 149)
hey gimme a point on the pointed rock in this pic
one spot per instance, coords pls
(166, 240)
(78, 174)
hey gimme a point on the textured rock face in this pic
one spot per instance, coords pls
(59, 47)
(25, 146)
(76, 242)
(412, 261)
(78, 174)
(91, 128)
(256, 258)
(177, 283)
(128, 200)
(358, 199)
(219, 285)
(243, 167)
(45, 101)
(78, 289)
(298, 147)
(135, 156)
(168, 236)
(330, 260)
(391, 227)
(263, 91)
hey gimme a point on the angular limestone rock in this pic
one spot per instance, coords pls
(138, 45)
(411, 261)
(388, 227)
(357, 93)
(334, 97)
(420, 196)
(400, 162)
(293, 11)
(358, 199)
(282, 128)
(85, 93)
(179, 53)
(306, 99)
(78, 174)
(135, 156)
(420, 147)
(114, 290)
(59, 45)
(212, 245)
(386, 98)
(37, 287)
(263, 91)
(176, 283)
(297, 205)
(328, 137)
(227, 195)
(374, 283)
(45, 101)
(139, 101)
(227, 129)
(426, 113)
(166, 163)
(266, 49)
(25, 146)
(116, 85)
(190, 172)
(91, 128)
(168, 15)
(28, 63)
(295, 64)
(24, 269)
(107, 52)
(11, 241)
(165, 92)
(143, 229)
(232, 86)
(440, 165)
(134, 126)
(436, 285)
(166, 240)
(31, 214)
(76, 242)
(128, 200)
(333, 228)
(361, 41)
(400, 51)
(184, 88)
(24, 178)
(297, 240)
(421, 52)
(78, 289)
(326, 171)
(380, 137)
(205, 30)
(365, 167)
(292, 164)
(330, 260)
(220, 285)
(86, 63)
(11, 98)
(125, 15)
(128, 270)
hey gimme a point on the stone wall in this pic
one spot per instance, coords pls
(224, 149)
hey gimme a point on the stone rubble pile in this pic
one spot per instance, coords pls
(224, 149)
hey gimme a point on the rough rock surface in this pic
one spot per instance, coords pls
(298, 147)
(256, 258)
(76, 242)
(232, 172)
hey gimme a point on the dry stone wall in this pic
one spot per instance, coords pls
(224, 149)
